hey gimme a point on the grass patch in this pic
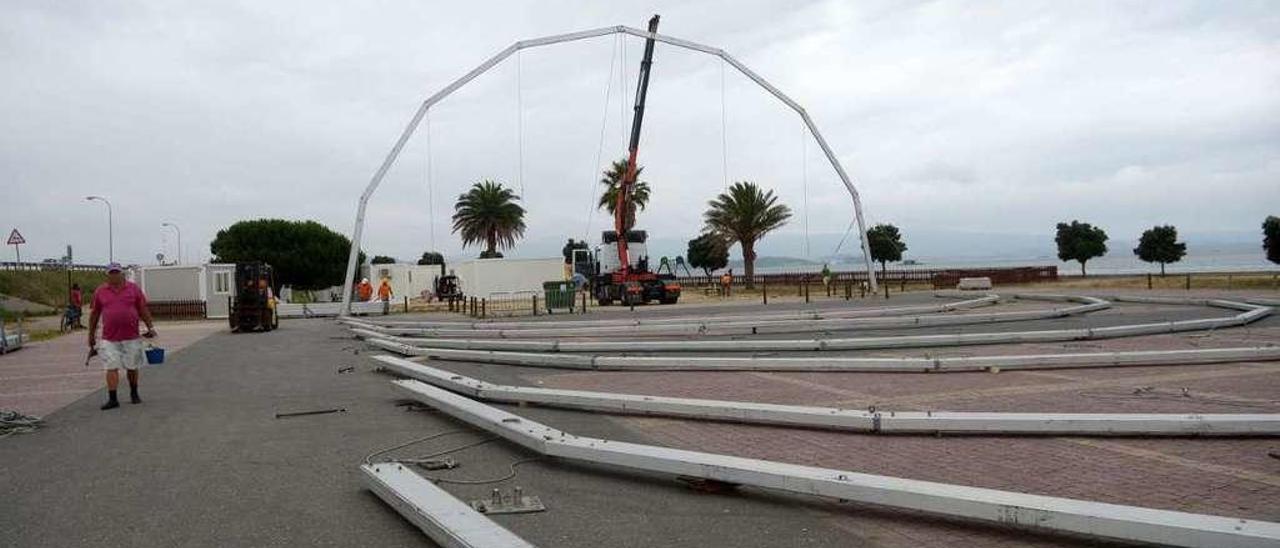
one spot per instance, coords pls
(47, 287)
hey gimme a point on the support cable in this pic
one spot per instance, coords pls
(724, 132)
(804, 181)
(431, 200)
(520, 122)
(604, 123)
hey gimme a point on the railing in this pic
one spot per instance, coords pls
(12, 265)
(939, 278)
(524, 303)
(177, 310)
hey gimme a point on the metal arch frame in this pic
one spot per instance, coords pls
(426, 105)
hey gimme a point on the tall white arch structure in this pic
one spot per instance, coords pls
(358, 231)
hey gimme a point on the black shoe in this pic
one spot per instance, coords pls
(133, 398)
(112, 404)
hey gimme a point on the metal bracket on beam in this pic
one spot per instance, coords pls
(445, 519)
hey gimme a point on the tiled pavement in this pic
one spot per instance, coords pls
(44, 376)
(1233, 477)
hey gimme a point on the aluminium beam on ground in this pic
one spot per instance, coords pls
(751, 327)
(845, 364)
(1251, 313)
(420, 113)
(855, 420)
(1032, 512)
(807, 314)
(447, 520)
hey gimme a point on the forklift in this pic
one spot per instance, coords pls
(622, 262)
(253, 308)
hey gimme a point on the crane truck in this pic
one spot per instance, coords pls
(622, 269)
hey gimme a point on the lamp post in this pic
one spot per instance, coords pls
(111, 240)
(179, 231)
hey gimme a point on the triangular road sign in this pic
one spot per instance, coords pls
(16, 238)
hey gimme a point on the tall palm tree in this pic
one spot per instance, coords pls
(609, 199)
(745, 214)
(488, 213)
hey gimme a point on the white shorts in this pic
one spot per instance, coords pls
(121, 354)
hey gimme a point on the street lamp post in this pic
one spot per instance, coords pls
(111, 239)
(179, 231)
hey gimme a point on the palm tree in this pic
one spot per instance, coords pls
(609, 199)
(488, 213)
(745, 214)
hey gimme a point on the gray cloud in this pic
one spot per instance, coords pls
(949, 115)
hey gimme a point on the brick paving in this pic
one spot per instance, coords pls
(1233, 476)
(45, 376)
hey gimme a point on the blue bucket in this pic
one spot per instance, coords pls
(155, 355)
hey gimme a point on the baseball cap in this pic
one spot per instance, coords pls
(114, 267)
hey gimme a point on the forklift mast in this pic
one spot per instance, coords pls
(625, 188)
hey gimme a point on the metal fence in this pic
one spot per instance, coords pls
(177, 310)
(12, 265)
(515, 304)
(938, 278)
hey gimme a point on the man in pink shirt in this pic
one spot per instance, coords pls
(119, 303)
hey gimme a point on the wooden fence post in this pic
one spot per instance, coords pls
(764, 290)
(1188, 281)
(806, 289)
(484, 301)
(535, 304)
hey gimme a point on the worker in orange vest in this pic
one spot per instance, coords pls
(365, 290)
(384, 290)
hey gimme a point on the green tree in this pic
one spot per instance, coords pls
(1271, 238)
(708, 252)
(743, 215)
(1080, 242)
(609, 199)
(431, 257)
(886, 245)
(488, 214)
(382, 259)
(1159, 244)
(304, 254)
(569, 248)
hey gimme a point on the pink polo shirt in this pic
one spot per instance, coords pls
(120, 309)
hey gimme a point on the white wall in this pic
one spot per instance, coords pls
(407, 280)
(484, 277)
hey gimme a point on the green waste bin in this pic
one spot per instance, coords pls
(558, 296)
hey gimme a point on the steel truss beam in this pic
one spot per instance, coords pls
(868, 421)
(448, 521)
(426, 105)
(752, 327)
(813, 314)
(1034, 512)
(1250, 313)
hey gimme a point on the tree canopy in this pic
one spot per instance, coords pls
(382, 259)
(304, 254)
(708, 252)
(1271, 238)
(488, 214)
(569, 248)
(1159, 244)
(1080, 242)
(609, 199)
(431, 257)
(744, 214)
(886, 245)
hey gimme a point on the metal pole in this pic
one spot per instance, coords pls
(111, 239)
(179, 231)
(409, 129)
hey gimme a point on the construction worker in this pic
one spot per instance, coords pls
(726, 282)
(384, 295)
(365, 290)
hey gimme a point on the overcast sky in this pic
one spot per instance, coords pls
(951, 117)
